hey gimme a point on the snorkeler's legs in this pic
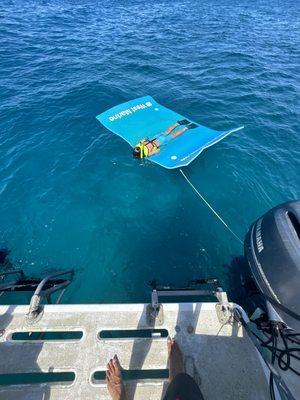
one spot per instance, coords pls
(171, 128)
(180, 132)
(178, 123)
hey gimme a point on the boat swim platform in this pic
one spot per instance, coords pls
(220, 357)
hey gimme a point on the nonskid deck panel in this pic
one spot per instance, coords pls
(220, 357)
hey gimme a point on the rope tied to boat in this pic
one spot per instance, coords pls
(210, 207)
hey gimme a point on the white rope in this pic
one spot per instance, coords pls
(209, 206)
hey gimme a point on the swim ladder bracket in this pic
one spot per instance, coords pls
(35, 311)
(223, 308)
(154, 310)
(49, 285)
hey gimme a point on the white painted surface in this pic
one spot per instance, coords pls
(224, 359)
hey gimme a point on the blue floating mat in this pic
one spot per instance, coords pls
(145, 118)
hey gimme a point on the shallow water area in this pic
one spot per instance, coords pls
(71, 194)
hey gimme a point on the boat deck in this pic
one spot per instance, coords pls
(221, 358)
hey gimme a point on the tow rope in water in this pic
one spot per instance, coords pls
(209, 206)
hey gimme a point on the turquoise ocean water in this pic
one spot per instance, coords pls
(70, 193)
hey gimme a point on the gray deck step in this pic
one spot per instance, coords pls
(221, 357)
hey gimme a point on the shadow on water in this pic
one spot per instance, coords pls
(175, 253)
(235, 272)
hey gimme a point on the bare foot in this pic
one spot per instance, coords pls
(114, 380)
(175, 359)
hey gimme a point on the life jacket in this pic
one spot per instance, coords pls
(144, 151)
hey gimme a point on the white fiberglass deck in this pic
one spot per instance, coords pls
(221, 358)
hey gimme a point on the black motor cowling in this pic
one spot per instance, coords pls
(272, 250)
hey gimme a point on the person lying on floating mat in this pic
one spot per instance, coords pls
(147, 147)
(142, 124)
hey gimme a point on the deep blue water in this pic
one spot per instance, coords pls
(72, 196)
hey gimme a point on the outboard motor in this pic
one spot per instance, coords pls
(272, 250)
